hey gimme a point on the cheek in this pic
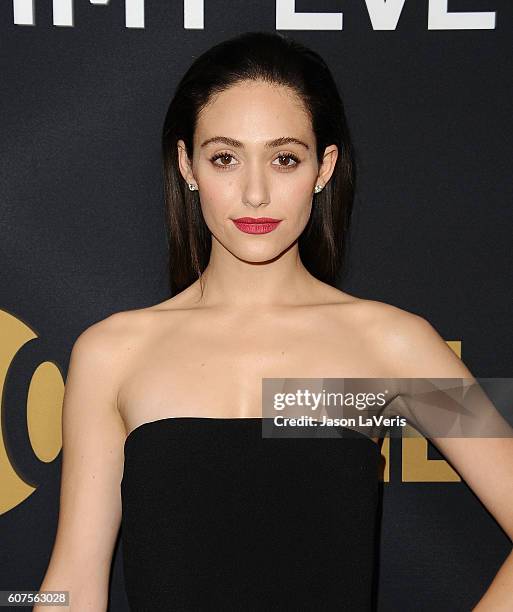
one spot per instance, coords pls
(216, 203)
(217, 193)
(298, 200)
(299, 186)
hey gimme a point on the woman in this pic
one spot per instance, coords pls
(163, 405)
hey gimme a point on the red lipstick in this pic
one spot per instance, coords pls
(260, 225)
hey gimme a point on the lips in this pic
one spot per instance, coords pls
(259, 225)
(257, 220)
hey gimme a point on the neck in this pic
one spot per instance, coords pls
(232, 282)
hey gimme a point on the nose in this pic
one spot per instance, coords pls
(256, 190)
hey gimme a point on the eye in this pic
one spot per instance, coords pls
(222, 156)
(287, 157)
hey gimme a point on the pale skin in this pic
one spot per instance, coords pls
(261, 315)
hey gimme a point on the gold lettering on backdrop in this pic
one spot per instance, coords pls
(43, 411)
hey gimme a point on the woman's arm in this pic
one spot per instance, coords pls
(414, 349)
(92, 466)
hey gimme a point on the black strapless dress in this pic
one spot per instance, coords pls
(218, 517)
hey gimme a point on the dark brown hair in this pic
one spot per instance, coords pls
(276, 59)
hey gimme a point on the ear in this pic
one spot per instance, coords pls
(184, 163)
(328, 165)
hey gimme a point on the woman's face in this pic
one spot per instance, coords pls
(240, 172)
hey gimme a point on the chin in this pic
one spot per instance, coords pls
(258, 255)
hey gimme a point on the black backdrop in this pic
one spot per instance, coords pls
(82, 230)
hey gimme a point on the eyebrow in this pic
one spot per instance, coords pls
(277, 142)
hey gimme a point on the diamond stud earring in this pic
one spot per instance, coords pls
(318, 188)
(192, 186)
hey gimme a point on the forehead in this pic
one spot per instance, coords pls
(255, 111)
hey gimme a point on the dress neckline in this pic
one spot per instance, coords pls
(148, 424)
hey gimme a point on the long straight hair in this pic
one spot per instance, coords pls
(276, 59)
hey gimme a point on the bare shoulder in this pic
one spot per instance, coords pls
(384, 318)
(408, 343)
(375, 317)
(118, 341)
(107, 338)
(104, 336)
(110, 344)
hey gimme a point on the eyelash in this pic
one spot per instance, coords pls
(226, 154)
